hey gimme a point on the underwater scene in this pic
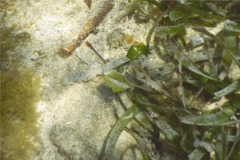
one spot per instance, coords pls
(119, 80)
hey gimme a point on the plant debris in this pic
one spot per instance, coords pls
(88, 3)
(87, 28)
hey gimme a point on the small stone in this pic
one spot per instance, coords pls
(116, 38)
(234, 72)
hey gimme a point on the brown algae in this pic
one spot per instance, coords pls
(18, 121)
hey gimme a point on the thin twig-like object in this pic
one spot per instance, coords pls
(88, 3)
(88, 27)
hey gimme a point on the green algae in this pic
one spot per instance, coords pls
(10, 40)
(12, 35)
(18, 124)
(18, 94)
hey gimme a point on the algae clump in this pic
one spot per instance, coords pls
(18, 123)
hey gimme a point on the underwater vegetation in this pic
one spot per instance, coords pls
(188, 108)
(10, 40)
(19, 131)
(18, 97)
